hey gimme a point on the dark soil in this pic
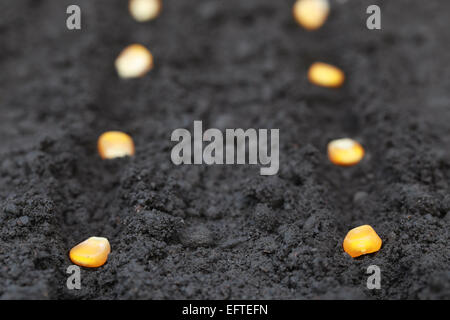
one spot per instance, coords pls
(224, 231)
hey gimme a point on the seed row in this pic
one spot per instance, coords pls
(136, 61)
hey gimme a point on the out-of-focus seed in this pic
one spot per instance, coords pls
(325, 75)
(91, 253)
(115, 144)
(145, 10)
(362, 240)
(311, 14)
(134, 61)
(345, 152)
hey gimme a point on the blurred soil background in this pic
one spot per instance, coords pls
(224, 232)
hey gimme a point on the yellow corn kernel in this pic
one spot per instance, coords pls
(134, 61)
(345, 152)
(362, 240)
(311, 14)
(325, 75)
(91, 253)
(145, 10)
(115, 144)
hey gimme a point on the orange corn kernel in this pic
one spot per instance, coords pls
(115, 144)
(91, 253)
(325, 75)
(134, 61)
(311, 14)
(362, 240)
(145, 10)
(345, 152)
